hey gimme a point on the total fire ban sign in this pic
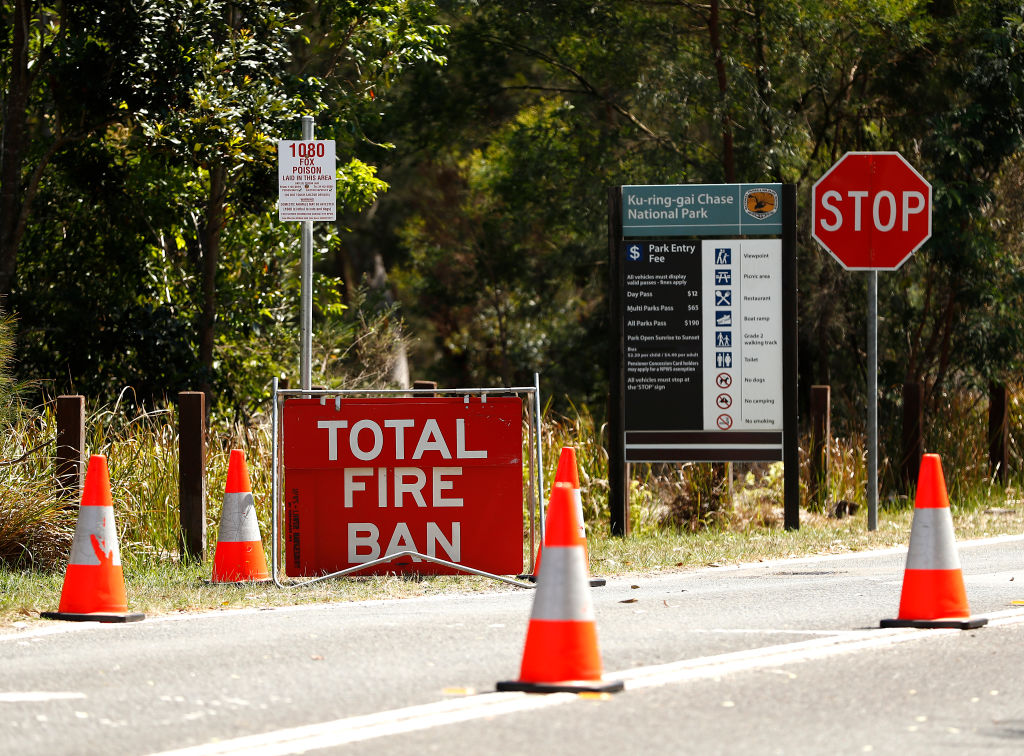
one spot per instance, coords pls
(369, 477)
(306, 180)
(704, 315)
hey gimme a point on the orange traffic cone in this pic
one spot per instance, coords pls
(239, 556)
(933, 584)
(561, 641)
(94, 588)
(567, 472)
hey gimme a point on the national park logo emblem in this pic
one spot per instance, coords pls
(760, 203)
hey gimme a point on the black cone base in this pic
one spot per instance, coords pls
(93, 617)
(595, 582)
(567, 686)
(970, 623)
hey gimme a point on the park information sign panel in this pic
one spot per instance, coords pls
(704, 314)
(364, 478)
(703, 335)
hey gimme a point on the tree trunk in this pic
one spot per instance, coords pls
(714, 29)
(352, 262)
(210, 244)
(12, 149)
(764, 91)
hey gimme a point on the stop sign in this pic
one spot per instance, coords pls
(871, 210)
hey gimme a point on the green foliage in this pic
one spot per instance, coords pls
(10, 401)
(35, 526)
(360, 349)
(511, 148)
(152, 257)
(477, 143)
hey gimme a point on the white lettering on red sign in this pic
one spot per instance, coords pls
(912, 203)
(402, 481)
(430, 439)
(364, 542)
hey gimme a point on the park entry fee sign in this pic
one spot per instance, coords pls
(306, 180)
(364, 478)
(701, 278)
(703, 335)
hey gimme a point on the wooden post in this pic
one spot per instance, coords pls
(821, 440)
(998, 432)
(70, 446)
(913, 433)
(425, 385)
(624, 525)
(192, 474)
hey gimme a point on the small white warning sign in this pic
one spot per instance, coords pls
(306, 183)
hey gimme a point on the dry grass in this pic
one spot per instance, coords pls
(35, 525)
(683, 516)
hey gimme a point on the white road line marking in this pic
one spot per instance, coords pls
(381, 724)
(755, 631)
(37, 696)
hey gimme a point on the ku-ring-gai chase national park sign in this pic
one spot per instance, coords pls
(704, 301)
(367, 477)
(702, 321)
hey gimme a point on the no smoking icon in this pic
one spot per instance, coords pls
(724, 421)
(723, 380)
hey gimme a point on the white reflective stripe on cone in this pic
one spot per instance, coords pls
(932, 544)
(577, 496)
(563, 590)
(98, 522)
(238, 521)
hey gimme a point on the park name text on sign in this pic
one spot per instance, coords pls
(306, 180)
(375, 476)
(700, 209)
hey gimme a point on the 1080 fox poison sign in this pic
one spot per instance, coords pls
(369, 477)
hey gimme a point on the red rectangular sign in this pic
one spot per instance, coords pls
(369, 477)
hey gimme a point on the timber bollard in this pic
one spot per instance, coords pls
(70, 446)
(821, 439)
(192, 474)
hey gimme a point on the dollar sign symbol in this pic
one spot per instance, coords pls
(634, 252)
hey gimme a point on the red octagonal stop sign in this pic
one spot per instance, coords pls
(871, 210)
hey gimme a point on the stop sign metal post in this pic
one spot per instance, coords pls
(871, 211)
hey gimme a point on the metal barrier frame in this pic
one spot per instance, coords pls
(535, 488)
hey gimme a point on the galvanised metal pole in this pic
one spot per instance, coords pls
(540, 454)
(306, 294)
(872, 484)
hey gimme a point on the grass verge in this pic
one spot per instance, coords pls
(684, 516)
(158, 586)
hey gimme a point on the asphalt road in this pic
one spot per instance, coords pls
(780, 657)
